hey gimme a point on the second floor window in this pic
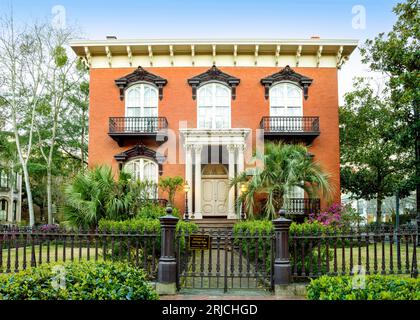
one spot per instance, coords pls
(141, 101)
(213, 106)
(4, 179)
(286, 100)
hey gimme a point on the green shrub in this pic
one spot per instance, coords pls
(154, 211)
(83, 281)
(265, 227)
(376, 287)
(142, 226)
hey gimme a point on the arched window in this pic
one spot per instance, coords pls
(213, 106)
(144, 170)
(141, 101)
(286, 100)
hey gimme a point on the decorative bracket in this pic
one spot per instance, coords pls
(140, 75)
(286, 74)
(213, 74)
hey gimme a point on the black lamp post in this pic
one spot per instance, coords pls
(244, 189)
(186, 190)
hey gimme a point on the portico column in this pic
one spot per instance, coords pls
(197, 189)
(188, 175)
(241, 166)
(231, 200)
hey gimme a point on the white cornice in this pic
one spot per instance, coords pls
(224, 52)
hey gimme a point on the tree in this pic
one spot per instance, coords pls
(22, 81)
(285, 167)
(373, 163)
(398, 56)
(171, 185)
(62, 80)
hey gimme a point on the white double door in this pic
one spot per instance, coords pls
(214, 196)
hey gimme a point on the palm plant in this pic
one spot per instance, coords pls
(96, 194)
(285, 167)
(171, 185)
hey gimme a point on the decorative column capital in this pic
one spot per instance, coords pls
(231, 148)
(198, 148)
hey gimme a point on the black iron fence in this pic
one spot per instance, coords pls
(23, 248)
(140, 125)
(240, 261)
(290, 124)
(360, 250)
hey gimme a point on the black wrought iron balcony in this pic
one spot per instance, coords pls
(291, 127)
(132, 127)
(302, 206)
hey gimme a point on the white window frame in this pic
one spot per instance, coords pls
(285, 84)
(214, 84)
(142, 163)
(142, 85)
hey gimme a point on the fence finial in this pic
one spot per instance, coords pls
(169, 210)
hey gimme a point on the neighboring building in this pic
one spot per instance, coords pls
(367, 208)
(160, 107)
(10, 196)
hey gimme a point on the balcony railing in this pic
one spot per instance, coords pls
(128, 127)
(140, 125)
(302, 206)
(290, 126)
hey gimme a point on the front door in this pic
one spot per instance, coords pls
(214, 197)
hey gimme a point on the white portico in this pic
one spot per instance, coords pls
(212, 157)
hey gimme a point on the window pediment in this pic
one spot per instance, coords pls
(286, 74)
(140, 150)
(137, 75)
(213, 74)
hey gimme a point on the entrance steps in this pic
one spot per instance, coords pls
(215, 223)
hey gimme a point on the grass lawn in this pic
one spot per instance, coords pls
(77, 255)
(341, 259)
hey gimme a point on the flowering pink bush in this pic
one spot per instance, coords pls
(329, 217)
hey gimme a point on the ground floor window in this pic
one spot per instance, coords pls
(146, 170)
(3, 209)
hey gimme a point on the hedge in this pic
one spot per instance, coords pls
(376, 287)
(83, 281)
(265, 227)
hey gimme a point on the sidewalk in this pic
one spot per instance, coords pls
(230, 295)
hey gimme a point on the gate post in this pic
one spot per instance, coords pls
(167, 262)
(282, 272)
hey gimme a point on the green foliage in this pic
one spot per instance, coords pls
(60, 56)
(397, 55)
(147, 225)
(264, 227)
(285, 167)
(83, 281)
(154, 211)
(96, 194)
(374, 164)
(171, 185)
(377, 287)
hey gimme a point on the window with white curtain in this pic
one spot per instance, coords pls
(213, 105)
(144, 170)
(286, 100)
(141, 101)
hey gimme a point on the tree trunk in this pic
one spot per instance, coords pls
(49, 196)
(378, 209)
(29, 195)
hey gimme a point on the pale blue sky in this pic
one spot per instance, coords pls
(218, 19)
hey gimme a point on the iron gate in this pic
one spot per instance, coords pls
(233, 261)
